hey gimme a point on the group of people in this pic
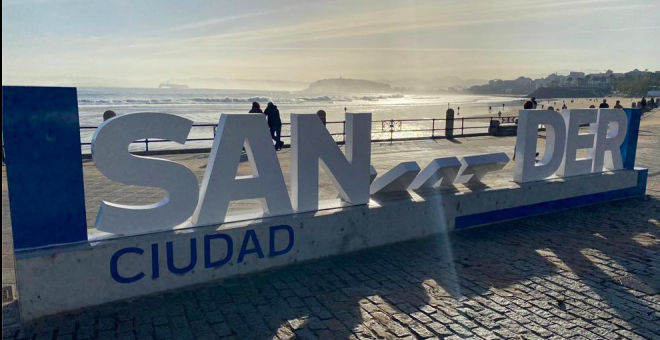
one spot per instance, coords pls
(274, 122)
(648, 105)
(643, 104)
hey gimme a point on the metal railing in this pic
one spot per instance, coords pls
(389, 130)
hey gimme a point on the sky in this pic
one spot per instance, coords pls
(144, 41)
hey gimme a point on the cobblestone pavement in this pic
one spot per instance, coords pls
(588, 273)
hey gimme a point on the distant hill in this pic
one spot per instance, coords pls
(441, 83)
(342, 85)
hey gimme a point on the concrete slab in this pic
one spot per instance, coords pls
(70, 277)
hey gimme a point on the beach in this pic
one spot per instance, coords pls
(413, 113)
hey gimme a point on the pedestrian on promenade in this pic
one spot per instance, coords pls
(108, 114)
(275, 124)
(618, 105)
(534, 102)
(256, 108)
(321, 115)
(529, 105)
(652, 103)
(564, 107)
(604, 105)
(643, 106)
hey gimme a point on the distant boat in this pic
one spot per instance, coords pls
(169, 85)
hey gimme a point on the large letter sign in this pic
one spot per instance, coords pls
(111, 157)
(188, 237)
(607, 133)
(221, 186)
(606, 151)
(526, 168)
(571, 165)
(311, 144)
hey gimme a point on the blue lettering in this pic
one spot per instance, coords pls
(114, 272)
(250, 234)
(155, 267)
(207, 250)
(193, 258)
(272, 252)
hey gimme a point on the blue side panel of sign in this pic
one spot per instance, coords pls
(44, 168)
(468, 221)
(629, 146)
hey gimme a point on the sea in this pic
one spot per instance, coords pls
(404, 114)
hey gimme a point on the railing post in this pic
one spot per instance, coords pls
(462, 126)
(146, 143)
(433, 129)
(343, 133)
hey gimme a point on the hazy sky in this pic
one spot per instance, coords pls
(308, 40)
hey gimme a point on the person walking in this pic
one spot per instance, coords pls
(256, 108)
(534, 103)
(643, 106)
(604, 105)
(275, 124)
(652, 103)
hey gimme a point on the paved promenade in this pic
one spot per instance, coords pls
(588, 273)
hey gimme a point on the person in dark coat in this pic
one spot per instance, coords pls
(255, 108)
(643, 106)
(275, 124)
(108, 114)
(604, 105)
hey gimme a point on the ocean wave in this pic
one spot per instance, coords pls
(381, 97)
(314, 99)
(229, 100)
(124, 101)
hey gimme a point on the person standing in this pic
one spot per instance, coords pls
(108, 114)
(275, 124)
(321, 115)
(643, 106)
(534, 103)
(256, 108)
(604, 105)
(618, 105)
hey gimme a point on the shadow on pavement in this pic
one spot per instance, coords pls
(585, 266)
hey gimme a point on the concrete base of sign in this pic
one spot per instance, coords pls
(69, 277)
